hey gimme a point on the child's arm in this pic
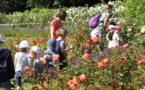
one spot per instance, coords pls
(107, 36)
(15, 60)
(62, 48)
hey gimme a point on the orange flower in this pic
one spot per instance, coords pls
(85, 56)
(95, 39)
(56, 57)
(106, 61)
(75, 80)
(101, 65)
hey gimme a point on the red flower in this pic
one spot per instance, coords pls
(141, 62)
(77, 89)
(39, 30)
(125, 46)
(83, 77)
(27, 35)
(125, 60)
(26, 68)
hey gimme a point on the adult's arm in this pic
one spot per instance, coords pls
(52, 32)
(106, 21)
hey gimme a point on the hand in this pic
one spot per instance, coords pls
(71, 46)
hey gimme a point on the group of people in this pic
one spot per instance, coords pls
(35, 59)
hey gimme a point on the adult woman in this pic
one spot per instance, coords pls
(57, 23)
(104, 22)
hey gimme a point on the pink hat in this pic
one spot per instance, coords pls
(110, 27)
(117, 27)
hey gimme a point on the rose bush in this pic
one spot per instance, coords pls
(122, 68)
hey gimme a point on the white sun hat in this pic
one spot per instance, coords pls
(24, 44)
(37, 50)
(110, 27)
(95, 32)
(1, 39)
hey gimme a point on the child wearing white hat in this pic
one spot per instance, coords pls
(109, 36)
(20, 62)
(34, 55)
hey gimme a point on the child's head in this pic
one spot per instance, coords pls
(1, 40)
(117, 28)
(24, 45)
(48, 58)
(61, 14)
(62, 32)
(35, 52)
(110, 28)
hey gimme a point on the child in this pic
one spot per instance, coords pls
(57, 23)
(94, 34)
(116, 38)
(6, 66)
(34, 54)
(20, 60)
(109, 35)
(61, 47)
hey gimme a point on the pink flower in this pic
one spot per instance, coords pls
(27, 35)
(83, 77)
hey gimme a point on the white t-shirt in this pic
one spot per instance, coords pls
(22, 61)
(116, 39)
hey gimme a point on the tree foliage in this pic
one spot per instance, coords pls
(10, 6)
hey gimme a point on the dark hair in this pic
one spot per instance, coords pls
(109, 6)
(23, 49)
(61, 14)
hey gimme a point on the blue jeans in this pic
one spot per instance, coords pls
(6, 85)
(18, 78)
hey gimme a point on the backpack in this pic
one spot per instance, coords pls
(94, 21)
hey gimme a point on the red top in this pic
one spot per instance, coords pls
(56, 27)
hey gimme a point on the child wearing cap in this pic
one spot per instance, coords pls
(116, 37)
(6, 66)
(109, 36)
(20, 62)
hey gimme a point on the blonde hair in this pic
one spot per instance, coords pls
(32, 54)
(61, 14)
(61, 32)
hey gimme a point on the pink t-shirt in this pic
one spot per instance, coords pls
(56, 27)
